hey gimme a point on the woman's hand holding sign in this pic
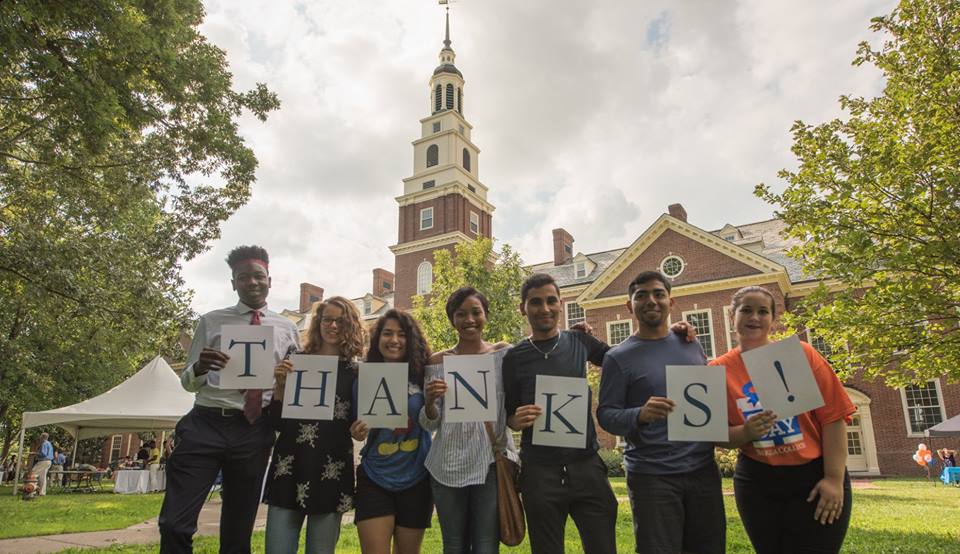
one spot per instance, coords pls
(758, 425)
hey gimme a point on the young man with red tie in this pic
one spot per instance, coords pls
(225, 431)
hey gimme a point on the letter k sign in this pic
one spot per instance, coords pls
(564, 401)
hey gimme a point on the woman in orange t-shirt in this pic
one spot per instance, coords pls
(791, 485)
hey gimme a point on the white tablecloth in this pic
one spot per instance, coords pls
(137, 481)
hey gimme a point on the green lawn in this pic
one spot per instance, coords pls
(70, 512)
(903, 516)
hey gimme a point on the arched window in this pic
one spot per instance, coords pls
(449, 97)
(433, 155)
(424, 278)
(460, 100)
(466, 159)
(437, 94)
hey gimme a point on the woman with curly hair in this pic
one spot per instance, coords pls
(394, 501)
(311, 472)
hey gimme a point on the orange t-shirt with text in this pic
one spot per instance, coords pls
(794, 440)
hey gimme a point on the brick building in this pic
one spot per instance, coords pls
(444, 203)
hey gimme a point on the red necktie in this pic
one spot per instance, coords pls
(253, 398)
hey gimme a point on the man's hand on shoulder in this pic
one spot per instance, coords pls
(684, 329)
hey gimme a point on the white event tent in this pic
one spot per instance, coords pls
(151, 399)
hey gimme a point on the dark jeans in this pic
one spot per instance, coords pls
(468, 516)
(678, 513)
(579, 489)
(207, 443)
(772, 501)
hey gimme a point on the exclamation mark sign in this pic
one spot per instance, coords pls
(790, 397)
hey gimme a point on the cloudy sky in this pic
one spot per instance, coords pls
(591, 116)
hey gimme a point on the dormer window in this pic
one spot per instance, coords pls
(580, 270)
(730, 238)
(367, 306)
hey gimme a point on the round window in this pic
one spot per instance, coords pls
(671, 266)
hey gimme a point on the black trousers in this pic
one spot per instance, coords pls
(208, 442)
(675, 513)
(579, 489)
(772, 501)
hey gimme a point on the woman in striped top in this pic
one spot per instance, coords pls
(460, 461)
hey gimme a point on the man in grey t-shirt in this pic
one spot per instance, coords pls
(674, 487)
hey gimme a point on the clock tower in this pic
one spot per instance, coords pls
(443, 202)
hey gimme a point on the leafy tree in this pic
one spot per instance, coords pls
(119, 160)
(497, 276)
(875, 204)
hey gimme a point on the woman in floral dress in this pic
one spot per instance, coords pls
(311, 471)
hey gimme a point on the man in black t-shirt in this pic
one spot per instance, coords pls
(557, 481)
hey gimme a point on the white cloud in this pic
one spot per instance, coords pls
(592, 117)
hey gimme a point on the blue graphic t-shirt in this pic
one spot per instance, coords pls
(393, 458)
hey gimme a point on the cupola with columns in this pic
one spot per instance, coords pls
(443, 202)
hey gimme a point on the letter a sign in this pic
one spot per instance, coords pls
(700, 394)
(565, 408)
(382, 395)
(471, 388)
(311, 388)
(250, 348)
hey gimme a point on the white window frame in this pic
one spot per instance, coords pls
(683, 265)
(713, 334)
(423, 213)
(811, 337)
(577, 268)
(475, 223)
(566, 313)
(424, 277)
(367, 306)
(119, 447)
(906, 409)
(728, 325)
(610, 325)
(437, 127)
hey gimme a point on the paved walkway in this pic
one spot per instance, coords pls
(141, 533)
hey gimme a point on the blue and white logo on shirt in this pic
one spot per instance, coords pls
(785, 431)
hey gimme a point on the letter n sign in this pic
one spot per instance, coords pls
(471, 388)
(565, 405)
(311, 388)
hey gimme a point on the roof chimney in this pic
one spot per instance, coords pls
(676, 211)
(308, 295)
(382, 282)
(562, 247)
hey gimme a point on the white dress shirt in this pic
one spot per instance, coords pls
(207, 334)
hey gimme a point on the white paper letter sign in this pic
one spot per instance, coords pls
(471, 388)
(250, 348)
(564, 418)
(311, 388)
(700, 394)
(382, 395)
(783, 378)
